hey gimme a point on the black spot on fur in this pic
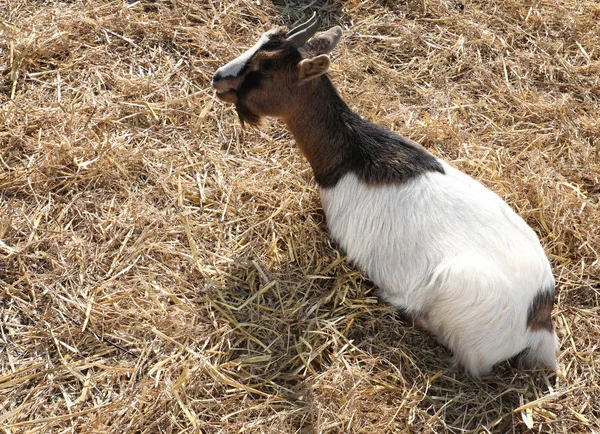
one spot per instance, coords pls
(252, 80)
(539, 315)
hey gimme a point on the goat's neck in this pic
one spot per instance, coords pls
(336, 141)
(322, 125)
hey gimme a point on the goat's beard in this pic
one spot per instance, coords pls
(246, 115)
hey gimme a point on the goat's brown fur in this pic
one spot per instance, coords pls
(540, 312)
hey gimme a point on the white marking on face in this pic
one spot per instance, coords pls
(233, 68)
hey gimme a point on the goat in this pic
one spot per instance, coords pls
(440, 246)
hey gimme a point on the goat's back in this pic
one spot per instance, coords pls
(444, 247)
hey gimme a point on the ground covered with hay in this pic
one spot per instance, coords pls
(162, 270)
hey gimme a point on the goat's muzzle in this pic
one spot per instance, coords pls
(225, 88)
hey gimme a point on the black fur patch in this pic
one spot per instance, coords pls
(252, 81)
(375, 154)
(383, 157)
(539, 315)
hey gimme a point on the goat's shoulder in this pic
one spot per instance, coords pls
(384, 157)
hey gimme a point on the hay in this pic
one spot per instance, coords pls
(163, 271)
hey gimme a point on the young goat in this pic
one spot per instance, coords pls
(439, 245)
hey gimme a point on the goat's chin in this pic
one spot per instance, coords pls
(246, 115)
(229, 96)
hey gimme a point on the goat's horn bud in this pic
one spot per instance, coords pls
(302, 33)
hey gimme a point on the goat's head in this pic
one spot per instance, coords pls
(267, 79)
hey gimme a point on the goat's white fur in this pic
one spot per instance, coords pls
(447, 248)
(233, 68)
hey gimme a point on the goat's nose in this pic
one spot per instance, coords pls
(222, 82)
(217, 76)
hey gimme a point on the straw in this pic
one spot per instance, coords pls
(163, 270)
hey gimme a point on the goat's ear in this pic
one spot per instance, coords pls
(323, 43)
(313, 67)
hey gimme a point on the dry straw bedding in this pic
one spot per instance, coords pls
(162, 270)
